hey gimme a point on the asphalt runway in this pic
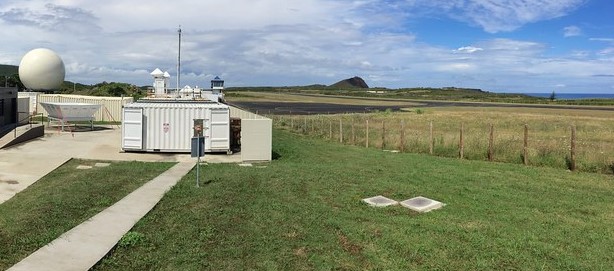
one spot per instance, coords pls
(292, 108)
(296, 108)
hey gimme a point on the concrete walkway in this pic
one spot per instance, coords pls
(83, 246)
(22, 165)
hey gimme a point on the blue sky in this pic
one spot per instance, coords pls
(566, 46)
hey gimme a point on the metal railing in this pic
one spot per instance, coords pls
(30, 119)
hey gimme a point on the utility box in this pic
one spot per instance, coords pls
(168, 126)
(198, 146)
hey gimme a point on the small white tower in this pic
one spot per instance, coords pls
(167, 81)
(217, 87)
(159, 82)
(217, 83)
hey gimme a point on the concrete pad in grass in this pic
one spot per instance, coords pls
(380, 201)
(422, 204)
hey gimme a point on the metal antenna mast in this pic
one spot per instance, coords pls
(179, 60)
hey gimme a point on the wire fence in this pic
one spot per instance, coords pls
(547, 143)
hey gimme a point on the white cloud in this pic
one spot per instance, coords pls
(500, 15)
(456, 67)
(572, 31)
(279, 42)
(607, 51)
(602, 39)
(469, 49)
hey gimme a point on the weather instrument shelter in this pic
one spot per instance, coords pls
(67, 112)
(167, 126)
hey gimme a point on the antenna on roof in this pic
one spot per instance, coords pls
(179, 60)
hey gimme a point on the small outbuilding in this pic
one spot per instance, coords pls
(168, 125)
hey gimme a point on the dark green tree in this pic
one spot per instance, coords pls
(117, 91)
(14, 81)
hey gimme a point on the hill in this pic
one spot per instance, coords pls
(354, 82)
(8, 70)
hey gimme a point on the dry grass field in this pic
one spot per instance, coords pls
(549, 133)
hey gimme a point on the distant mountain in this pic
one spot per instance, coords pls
(354, 82)
(8, 70)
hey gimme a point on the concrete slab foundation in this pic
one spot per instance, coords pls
(380, 201)
(421, 204)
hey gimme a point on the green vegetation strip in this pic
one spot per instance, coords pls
(62, 200)
(303, 211)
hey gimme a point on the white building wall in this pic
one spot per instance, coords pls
(256, 139)
(23, 110)
(33, 100)
(256, 135)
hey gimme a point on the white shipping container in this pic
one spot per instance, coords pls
(168, 126)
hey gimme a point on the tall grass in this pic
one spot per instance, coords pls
(549, 134)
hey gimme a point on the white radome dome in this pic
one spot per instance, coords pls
(42, 69)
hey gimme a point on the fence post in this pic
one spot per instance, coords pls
(292, 123)
(341, 130)
(313, 125)
(322, 129)
(330, 128)
(491, 143)
(383, 134)
(462, 142)
(367, 135)
(572, 164)
(432, 142)
(525, 152)
(305, 126)
(353, 134)
(402, 147)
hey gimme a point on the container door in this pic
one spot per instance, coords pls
(220, 129)
(132, 129)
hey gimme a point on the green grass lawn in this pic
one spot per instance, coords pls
(63, 199)
(304, 212)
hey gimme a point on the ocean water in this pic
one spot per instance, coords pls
(574, 96)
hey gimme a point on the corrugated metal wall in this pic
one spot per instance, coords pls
(168, 127)
(111, 109)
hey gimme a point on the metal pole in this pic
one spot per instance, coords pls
(572, 164)
(198, 163)
(179, 60)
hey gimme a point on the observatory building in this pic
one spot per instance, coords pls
(166, 122)
(161, 82)
(161, 89)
